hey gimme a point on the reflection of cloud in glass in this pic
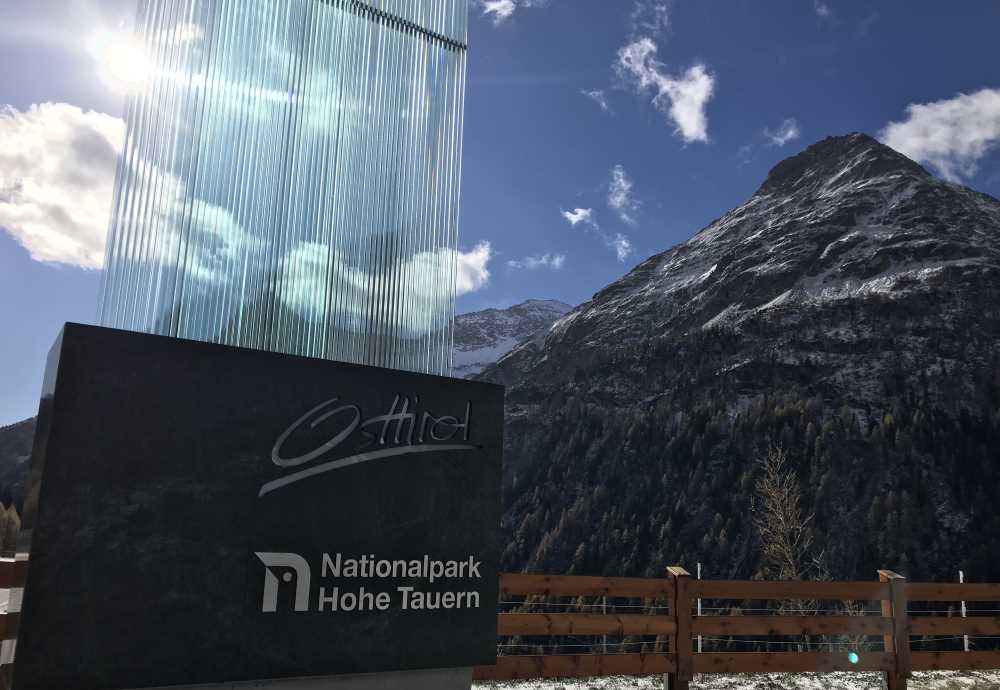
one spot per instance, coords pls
(313, 275)
(295, 187)
(188, 232)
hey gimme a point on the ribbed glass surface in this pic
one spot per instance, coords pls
(290, 178)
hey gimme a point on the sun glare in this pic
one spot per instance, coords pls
(121, 60)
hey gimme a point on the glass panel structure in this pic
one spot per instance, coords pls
(290, 178)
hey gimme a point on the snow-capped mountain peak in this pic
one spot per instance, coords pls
(848, 312)
(848, 221)
(483, 337)
(836, 161)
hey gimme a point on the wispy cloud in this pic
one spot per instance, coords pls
(622, 246)
(951, 135)
(502, 10)
(57, 175)
(787, 131)
(822, 9)
(649, 18)
(621, 200)
(533, 263)
(619, 243)
(867, 22)
(598, 96)
(473, 268)
(682, 99)
(580, 215)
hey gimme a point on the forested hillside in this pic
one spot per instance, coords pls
(848, 313)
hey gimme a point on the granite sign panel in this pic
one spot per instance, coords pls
(201, 513)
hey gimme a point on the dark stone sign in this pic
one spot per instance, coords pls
(201, 514)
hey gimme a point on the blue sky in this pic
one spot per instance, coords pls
(598, 132)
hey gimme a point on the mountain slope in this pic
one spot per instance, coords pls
(15, 453)
(483, 337)
(849, 311)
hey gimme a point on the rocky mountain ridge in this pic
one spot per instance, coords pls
(15, 454)
(483, 337)
(847, 219)
(849, 311)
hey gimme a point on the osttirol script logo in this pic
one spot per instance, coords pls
(403, 430)
(352, 439)
(296, 571)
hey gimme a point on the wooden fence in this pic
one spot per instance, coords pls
(680, 628)
(679, 662)
(12, 575)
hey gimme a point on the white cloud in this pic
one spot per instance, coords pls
(580, 215)
(650, 17)
(681, 99)
(622, 246)
(599, 98)
(57, 178)
(312, 273)
(473, 268)
(620, 243)
(57, 175)
(204, 236)
(951, 135)
(620, 197)
(787, 131)
(502, 10)
(822, 9)
(533, 263)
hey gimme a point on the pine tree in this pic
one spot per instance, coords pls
(11, 530)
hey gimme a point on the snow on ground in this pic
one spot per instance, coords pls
(467, 363)
(937, 680)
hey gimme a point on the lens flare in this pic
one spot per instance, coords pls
(122, 62)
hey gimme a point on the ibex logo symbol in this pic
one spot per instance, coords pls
(302, 577)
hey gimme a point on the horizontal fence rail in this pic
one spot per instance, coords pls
(791, 625)
(939, 625)
(789, 662)
(12, 573)
(575, 666)
(920, 591)
(955, 661)
(8, 625)
(579, 586)
(817, 591)
(543, 624)
(670, 621)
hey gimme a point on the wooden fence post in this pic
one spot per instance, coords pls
(899, 641)
(682, 618)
